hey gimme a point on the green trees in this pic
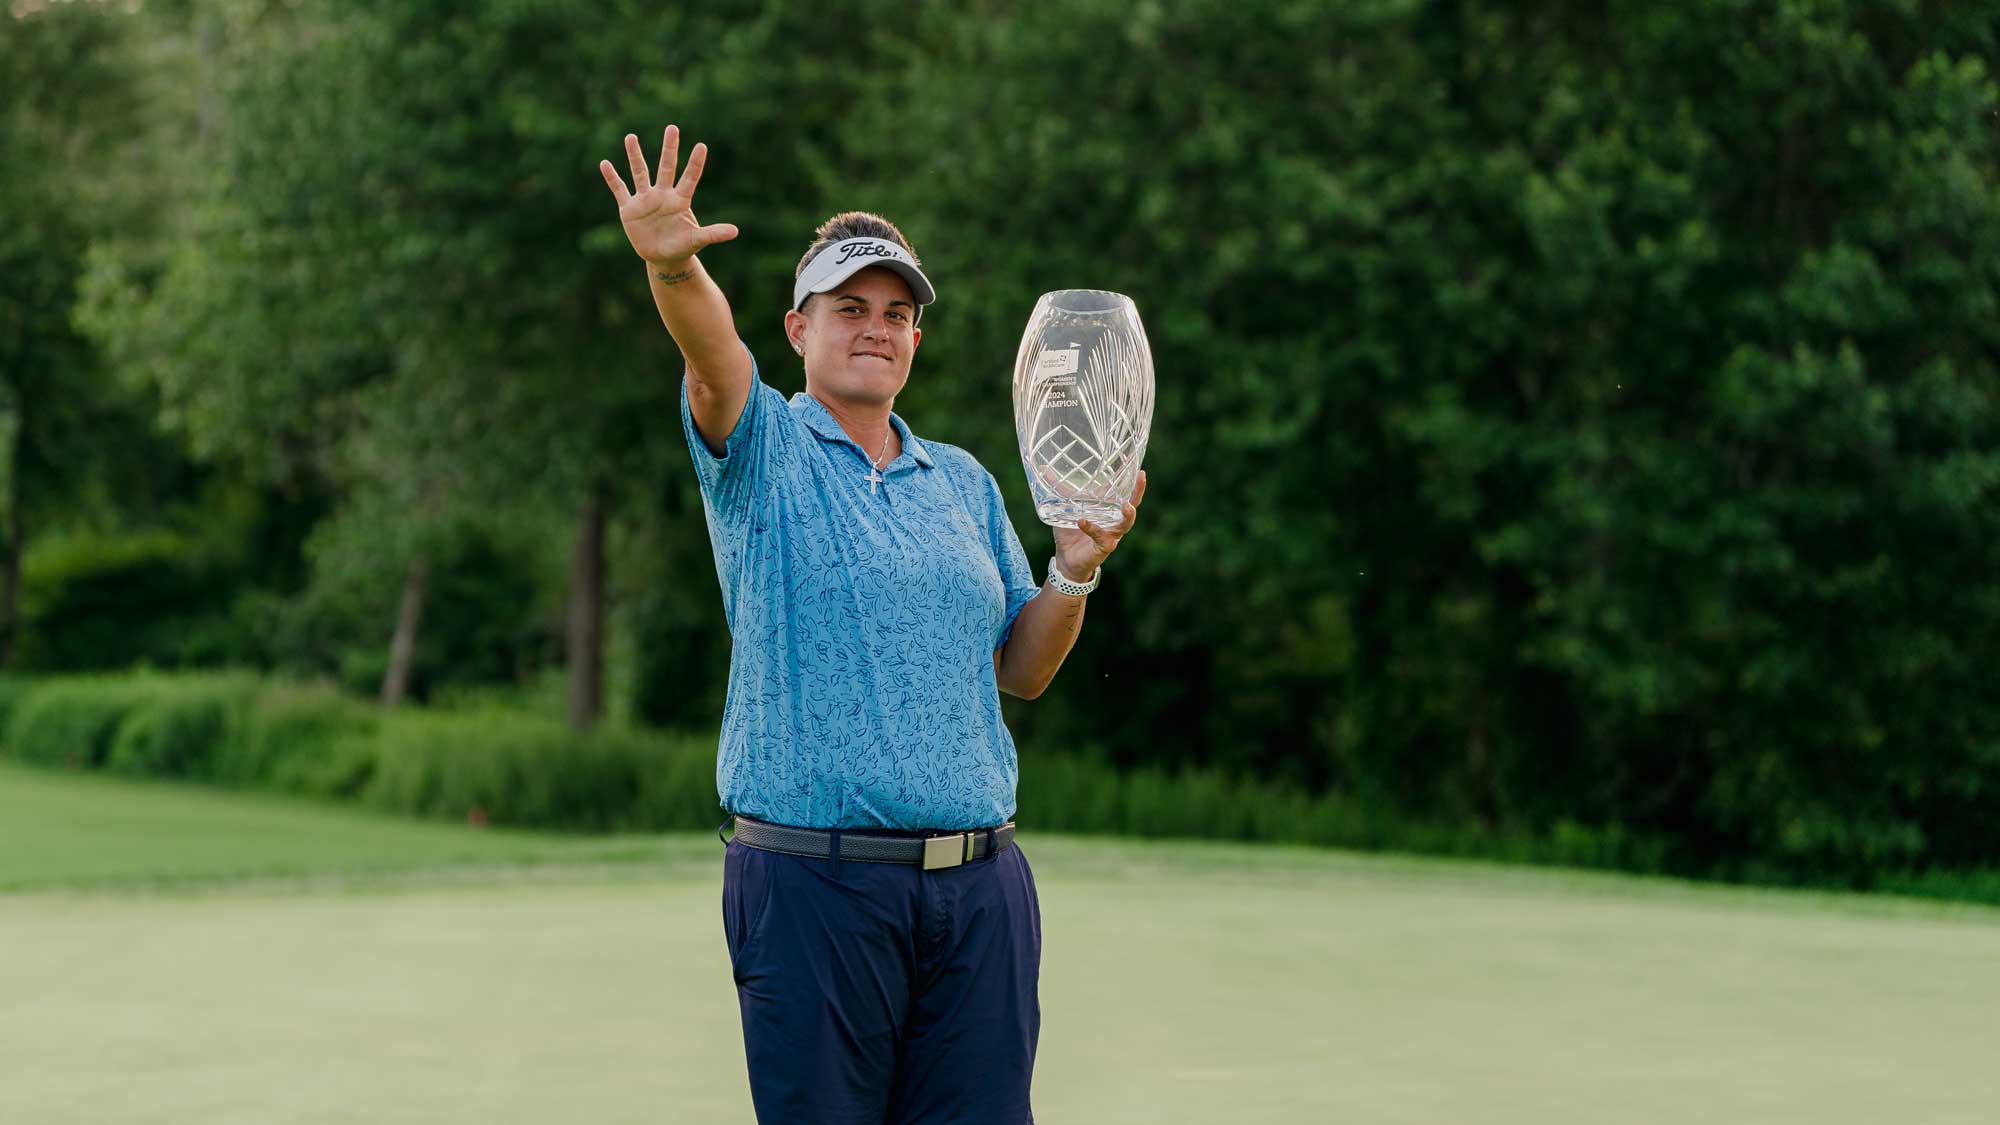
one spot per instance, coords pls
(1572, 417)
(386, 277)
(61, 419)
(1566, 413)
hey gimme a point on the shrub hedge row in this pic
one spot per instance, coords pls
(491, 764)
(488, 764)
(497, 765)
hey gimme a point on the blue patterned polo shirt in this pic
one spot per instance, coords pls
(863, 623)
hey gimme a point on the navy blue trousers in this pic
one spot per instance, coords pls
(884, 994)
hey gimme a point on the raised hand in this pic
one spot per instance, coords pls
(658, 218)
(1081, 549)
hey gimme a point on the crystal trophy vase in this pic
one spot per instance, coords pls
(1083, 403)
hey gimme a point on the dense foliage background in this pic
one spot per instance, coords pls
(1572, 417)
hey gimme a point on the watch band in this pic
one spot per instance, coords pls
(1073, 589)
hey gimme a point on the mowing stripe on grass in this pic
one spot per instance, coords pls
(66, 829)
(1181, 982)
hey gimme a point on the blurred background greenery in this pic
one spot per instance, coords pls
(1578, 432)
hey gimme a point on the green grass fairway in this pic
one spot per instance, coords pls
(84, 830)
(361, 977)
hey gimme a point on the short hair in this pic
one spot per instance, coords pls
(853, 224)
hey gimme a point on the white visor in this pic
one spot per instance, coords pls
(848, 257)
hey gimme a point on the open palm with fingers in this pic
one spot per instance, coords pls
(659, 218)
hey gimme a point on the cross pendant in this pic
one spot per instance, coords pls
(874, 478)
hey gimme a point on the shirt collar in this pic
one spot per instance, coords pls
(814, 414)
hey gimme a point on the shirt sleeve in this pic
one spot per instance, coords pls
(1016, 577)
(731, 482)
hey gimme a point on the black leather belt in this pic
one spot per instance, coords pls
(930, 850)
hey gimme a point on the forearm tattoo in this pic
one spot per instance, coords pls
(674, 278)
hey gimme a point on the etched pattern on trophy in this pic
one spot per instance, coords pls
(1083, 402)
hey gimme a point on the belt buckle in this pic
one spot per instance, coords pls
(946, 851)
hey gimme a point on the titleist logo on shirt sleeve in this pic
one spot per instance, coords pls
(865, 250)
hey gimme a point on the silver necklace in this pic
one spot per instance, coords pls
(875, 466)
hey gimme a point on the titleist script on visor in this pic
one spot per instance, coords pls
(866, 250)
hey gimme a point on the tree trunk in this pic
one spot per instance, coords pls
(10, 597)
(586, 616)
(403, 649)
(10, 633)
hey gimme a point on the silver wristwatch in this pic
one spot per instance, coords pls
(1073, 589)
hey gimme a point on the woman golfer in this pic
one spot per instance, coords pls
(881, 923)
